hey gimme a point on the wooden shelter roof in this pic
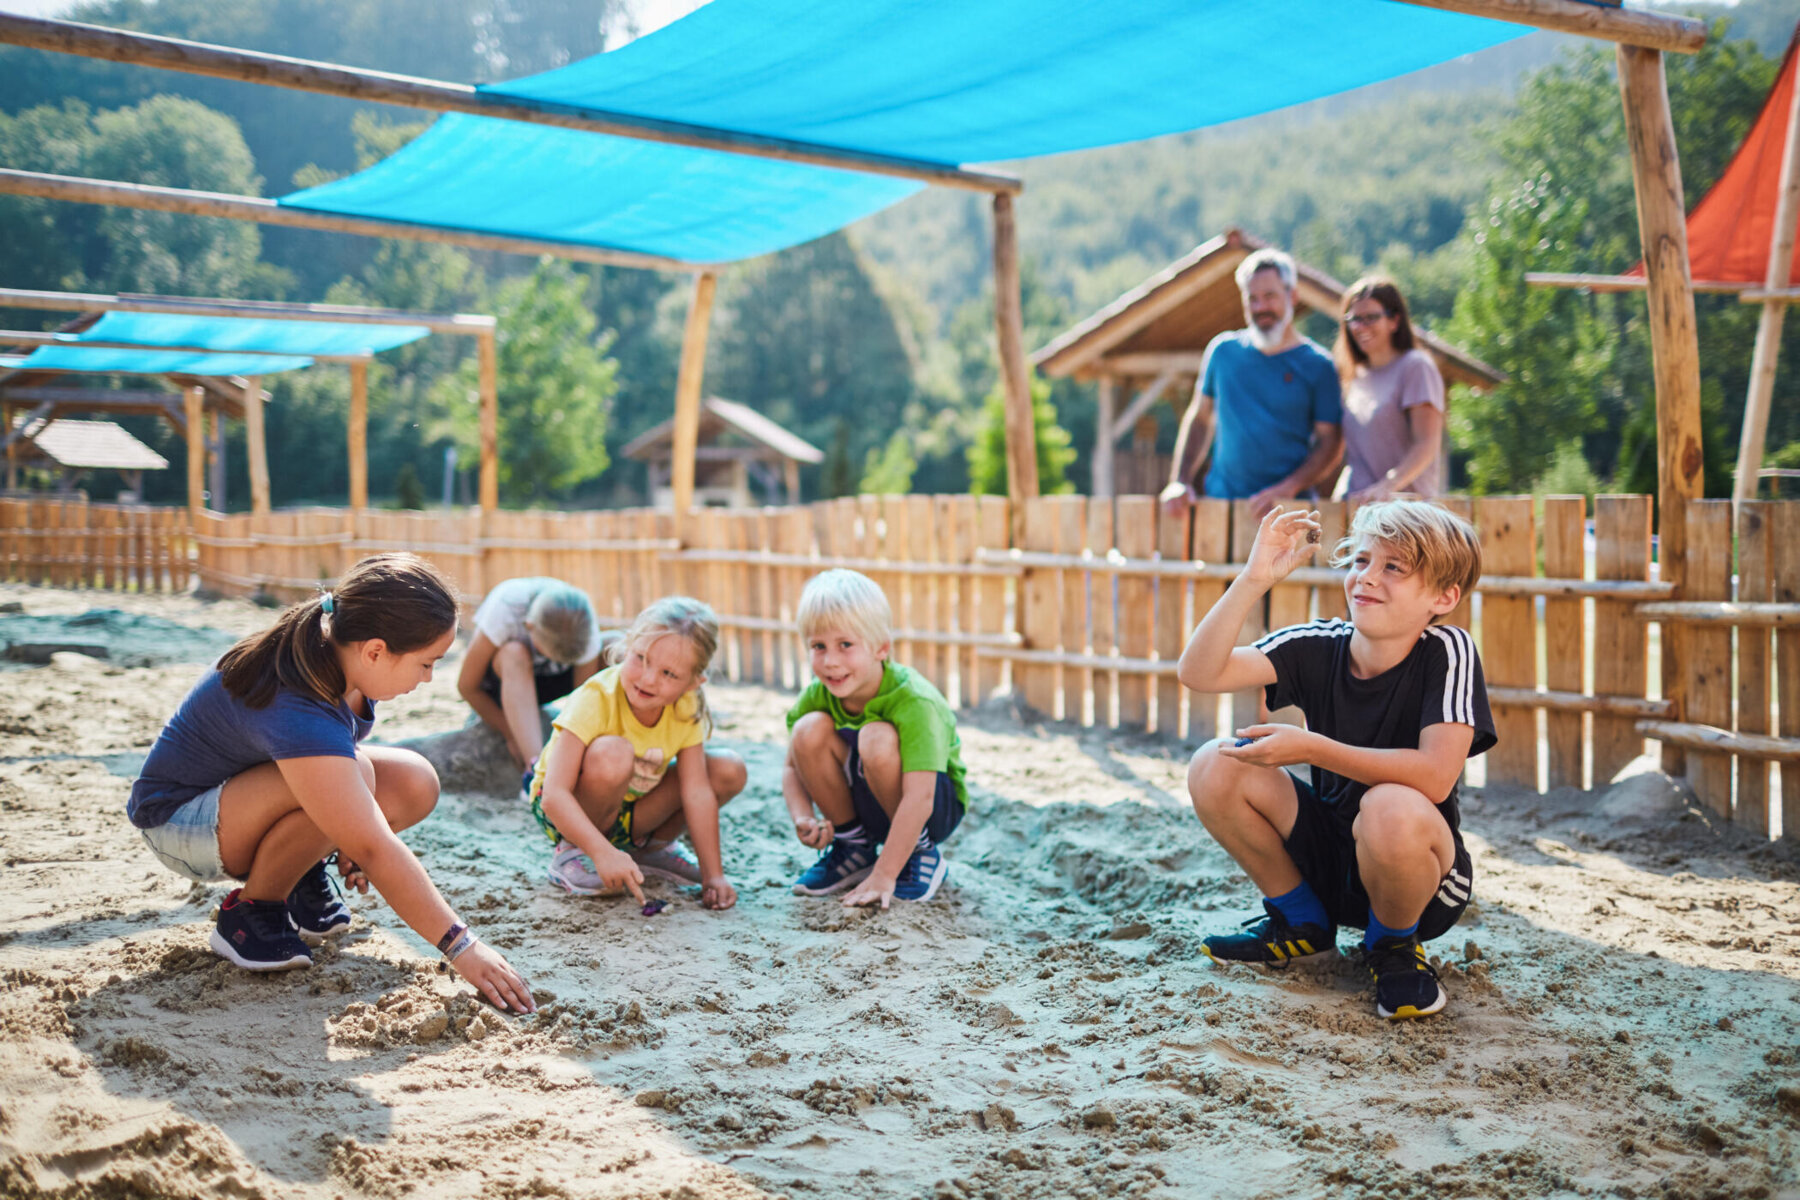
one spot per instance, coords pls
(89, 445)
(718, 416)
(1167, 320)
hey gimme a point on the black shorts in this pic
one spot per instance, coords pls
(946, 810)
(549, 687)
(1321, 846)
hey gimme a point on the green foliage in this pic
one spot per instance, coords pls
(1580, 365)
(889, 470)
(1568, 474)
(408, 491)
(987, 453)
(555, 387)
(838, 478)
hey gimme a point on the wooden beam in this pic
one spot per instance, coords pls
(1767, 354)
(381, 87)
(1146, 362)
(1619, 283)
(1104, 485)
(1606, 22)
(488, 366)
(1674, 342)
(196, 451)
(1021, 423)
(463, 323)
(255, 448)
(268, 212)
(215, 457)
(688, 382)
(1140, 404)
(1763, 295)
(358, 439)
(21, 337)
(99, 400)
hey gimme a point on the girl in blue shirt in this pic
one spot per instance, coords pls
(260, 775)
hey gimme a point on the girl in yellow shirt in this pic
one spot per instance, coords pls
(603, 791)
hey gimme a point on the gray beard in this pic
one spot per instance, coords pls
(1270, 339)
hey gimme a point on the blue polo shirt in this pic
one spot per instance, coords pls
(1265, 406)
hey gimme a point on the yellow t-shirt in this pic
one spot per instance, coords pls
(597, 709)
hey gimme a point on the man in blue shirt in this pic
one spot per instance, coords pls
(1267, 403)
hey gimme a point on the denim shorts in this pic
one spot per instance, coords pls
(188, 842)
(946, 810)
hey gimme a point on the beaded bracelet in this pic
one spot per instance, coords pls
(460, 948)
(450, 935)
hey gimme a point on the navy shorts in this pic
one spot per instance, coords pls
(946, 811)
(1322, 847)
(549, 687)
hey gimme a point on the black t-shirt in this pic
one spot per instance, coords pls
(1440, 681)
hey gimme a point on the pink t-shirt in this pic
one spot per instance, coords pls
(1376, 430)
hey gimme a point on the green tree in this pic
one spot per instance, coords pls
(555, 387)
(987, 453)
(1580, 366)
(838, 476)
(889, 470)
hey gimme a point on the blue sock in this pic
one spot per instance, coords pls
(1377, 930)
(1302, 906)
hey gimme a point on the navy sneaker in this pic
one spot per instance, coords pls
(920, 877)
(316, 907)
(1272, 941)
(1405, 984)
(841, 865)
(256, 935)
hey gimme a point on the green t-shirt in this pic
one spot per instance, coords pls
(918, 712)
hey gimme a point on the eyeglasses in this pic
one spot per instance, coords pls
(1366, 318)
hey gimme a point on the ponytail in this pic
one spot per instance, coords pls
(399, 598)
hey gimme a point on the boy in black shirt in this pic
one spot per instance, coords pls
(1394, 705)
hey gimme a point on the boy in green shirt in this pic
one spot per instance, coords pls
(873, 757)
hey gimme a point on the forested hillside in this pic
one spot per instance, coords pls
(1456, 179)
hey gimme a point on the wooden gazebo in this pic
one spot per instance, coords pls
(734, 443)
(1152, 337)
(74, 448)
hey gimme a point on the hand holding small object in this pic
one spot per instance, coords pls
(1284, 541)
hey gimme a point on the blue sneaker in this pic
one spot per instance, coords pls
(316, 907)
(920, 877)
(841, 865)
(256, 935)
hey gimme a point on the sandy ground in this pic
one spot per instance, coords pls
(1624, 1018)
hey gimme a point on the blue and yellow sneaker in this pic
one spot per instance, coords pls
(920, 877)
(316, 907)
(841, 865)
(1270, 940)
(1405, 984)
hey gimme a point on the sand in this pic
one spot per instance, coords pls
(1624, 1016)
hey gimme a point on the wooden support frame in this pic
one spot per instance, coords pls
(1015, 378)
(1103, 485)
(1674, 339)
(255, 446)
(463, 323)
(688, 383)
(194, 403)
(1606, 21)
(22, 337)
(263, 211)
(1767, 352)
(357, 438)
(488, 373)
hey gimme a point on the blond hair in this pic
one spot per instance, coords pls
(1427, 537)
(676, 616)
(561, 621)
(847, 600)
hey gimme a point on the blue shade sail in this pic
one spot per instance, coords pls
(948, 81)
(960, 81)
(699, 206)
(271, 335)
(155, 362)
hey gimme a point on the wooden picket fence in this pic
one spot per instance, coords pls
(1084, 617)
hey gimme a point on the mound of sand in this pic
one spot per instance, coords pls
(1624, 1000)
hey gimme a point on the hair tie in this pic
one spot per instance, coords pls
(327, 603)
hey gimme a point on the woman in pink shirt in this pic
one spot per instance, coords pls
(1393, 397)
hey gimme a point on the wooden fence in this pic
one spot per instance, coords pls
(1083, 618)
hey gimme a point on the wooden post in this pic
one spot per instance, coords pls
(487, 360)
(359, 436)
(1768, 328)
(687, 396)
(194, 401)
(1021, 427)
(254, 447)
(1674, 342)
(1103, 486)
(215, 424)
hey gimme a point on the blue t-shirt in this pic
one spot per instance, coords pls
(1265, 407)
(214, 736)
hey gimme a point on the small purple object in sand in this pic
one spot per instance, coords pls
(653, 907)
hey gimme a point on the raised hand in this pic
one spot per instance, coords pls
(1284, 540)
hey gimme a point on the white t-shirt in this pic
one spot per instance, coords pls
(502, 617)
